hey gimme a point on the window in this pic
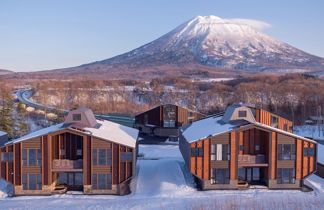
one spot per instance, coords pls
(94, 157)
(286, 176)
(242, 113)
(79, 152)
(76, 117)
(126, 156)
(7, 157)
(286, 152)
(274, 121)
(101, 157)
(197, 152)
(220, 176)
(190, 121)
(32, 157)
(62, 152)
(257, 147)
(241, 147)
(32, 181)
(169, 123)
(101, 181)
(220, 152)
(308, 152)
(285, 127)
(190, 114)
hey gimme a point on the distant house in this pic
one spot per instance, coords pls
(83, 154)
(315, 120)
(246, 146)
(164, 120)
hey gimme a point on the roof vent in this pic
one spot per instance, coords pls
(82, 117)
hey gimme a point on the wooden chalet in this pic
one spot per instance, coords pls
(165, 120)
(81, 154)
(246, 146)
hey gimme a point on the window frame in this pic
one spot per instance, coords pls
(282, 150)
(220, 176)
(76, 117)
(26, 181)
(7, 157)
(242, 113)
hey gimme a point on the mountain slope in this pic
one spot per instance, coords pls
(207, 44)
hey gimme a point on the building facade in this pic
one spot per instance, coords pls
(235, 150)
(81, 154)
(165, 120)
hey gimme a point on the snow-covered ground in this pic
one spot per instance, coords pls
(312, 131)
(162, 182)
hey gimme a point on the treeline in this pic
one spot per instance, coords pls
(294, 96)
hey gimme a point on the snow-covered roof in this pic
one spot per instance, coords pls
(105, 130)
(204, 128)
(2, 133)
(320, 153)
(213, 126)
(38, 133)
(115, 132)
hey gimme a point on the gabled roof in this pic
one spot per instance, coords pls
(105, 130)
(167, 104)
(207, 127)
(212, 126)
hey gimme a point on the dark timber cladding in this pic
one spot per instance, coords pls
(242, 152)
(71, 158)
(270, 119)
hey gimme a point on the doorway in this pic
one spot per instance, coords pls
(73, 181)
(252, 175)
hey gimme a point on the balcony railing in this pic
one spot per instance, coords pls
(252, 160)
(65, 165)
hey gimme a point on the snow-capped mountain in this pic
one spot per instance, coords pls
(210, 41)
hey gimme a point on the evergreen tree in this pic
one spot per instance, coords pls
(7, 120)
(22, 127)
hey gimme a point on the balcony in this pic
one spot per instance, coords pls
(252, 161)
(66, 165)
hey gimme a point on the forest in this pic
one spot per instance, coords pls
(293, 96)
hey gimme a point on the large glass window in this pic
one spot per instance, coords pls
(169, 123)
(220, 176)
(101, 157)
(126, 156)
(308, 152)
(32, 181)
(274, 121)
(286, 151)
(286, 176)
(220, 152)
(7, 157)
(197, 152)
(32, 157)
(101, 181)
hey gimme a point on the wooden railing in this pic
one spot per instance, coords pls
(67, 165)
(251, 159)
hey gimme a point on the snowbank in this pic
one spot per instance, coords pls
(6, 189)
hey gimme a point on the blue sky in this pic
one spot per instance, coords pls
(43, 34)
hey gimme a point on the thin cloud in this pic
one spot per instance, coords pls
(256, 24)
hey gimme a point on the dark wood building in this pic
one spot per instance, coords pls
(164, 120)
(83, 153)
(235, 150)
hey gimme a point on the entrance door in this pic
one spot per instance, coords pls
(251, 175)
(73, 181)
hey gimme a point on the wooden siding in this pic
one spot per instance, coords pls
(206, 163)
(155, 116)
(233, 161)
(264, 117)
(273, 155)
(299, 156)
(17, 164)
